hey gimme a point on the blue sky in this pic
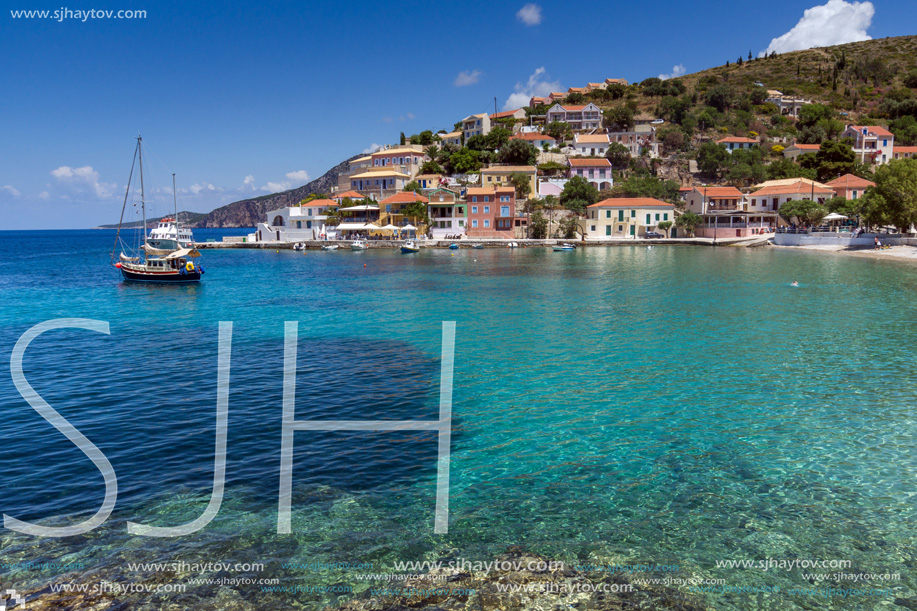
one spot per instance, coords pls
(241, 100)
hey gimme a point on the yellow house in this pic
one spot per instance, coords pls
(499, 176)
(626, 217)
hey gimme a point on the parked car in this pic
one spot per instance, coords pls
(652, 234)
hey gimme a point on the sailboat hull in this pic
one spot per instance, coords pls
(163, 277)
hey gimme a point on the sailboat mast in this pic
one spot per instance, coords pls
(175, 202)
(142, 197)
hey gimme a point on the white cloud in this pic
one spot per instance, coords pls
(372, 148)
(298, 175)
(530, 14)
(196, 188)
(82, 179)
(275, 187)
(44, 195)
(11, 190)
(410, 115)
(249, 182)
(677, 71)
(467, 77)
(833, 23)
(535, 86)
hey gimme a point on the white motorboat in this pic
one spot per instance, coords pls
(359, 245)
(330, 246)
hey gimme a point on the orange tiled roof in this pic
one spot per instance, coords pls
(737, 140)
(879, 131)
(350, 194)
(327, 203)
(505, 113)
(799, 187)
(530, 136)
(720, 192)
(905, 149)
(849, 181)
(807, 147)
(405, 197)
(631, 202)
(592, 138)
(584, 163)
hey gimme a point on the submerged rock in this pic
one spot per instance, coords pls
(521, 581)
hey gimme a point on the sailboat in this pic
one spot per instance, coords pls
(165, 259)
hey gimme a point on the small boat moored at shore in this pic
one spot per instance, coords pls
(453, 246)
(359, 245)
(564, 247)
(299, 246)
(409, 246)
(330, 246)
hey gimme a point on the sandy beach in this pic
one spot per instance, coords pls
(895, 252)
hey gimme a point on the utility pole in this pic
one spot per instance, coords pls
(495, 107)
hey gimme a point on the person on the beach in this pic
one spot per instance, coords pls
(878, 244)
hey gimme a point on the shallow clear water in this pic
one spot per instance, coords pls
(674, 405)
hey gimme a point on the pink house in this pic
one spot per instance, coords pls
(849, 186)
(491, 212)
(596, 171)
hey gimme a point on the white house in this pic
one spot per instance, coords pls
(734, 143)
(591, 145)
(294, 224)
(588, 116)
(871, 143)
(476, 125)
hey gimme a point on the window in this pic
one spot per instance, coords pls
(474, 223)
(608, 214)
(633, 214)
(591, 173)
(474, 199)
(665, 216)
(486, 209)
(474, 210)
(620, 228)
(648, 219)
(504, 211)
(620, 215)
(854, 195)
(591, 227)
(299, 224)
(885, 143)
(388, 208)
(657, 216)
(486, 222)
(504, 198)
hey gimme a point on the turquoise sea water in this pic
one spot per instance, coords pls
(675, 405)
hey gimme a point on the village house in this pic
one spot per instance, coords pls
(519, 113)
(556, 96)
(539, 101)
(295, 223)
(871, 143)
(580, 90)
(588, 116)
(849, 186)
(379, 179)
(491, 212)
(428, 181)
(476, 125)
(788, 105)
(391, 208)
(626, 217)
(703, 199)
(775, 193)
(640, 141)
(596, 171)
(499, 175)
(794, 151)
(733, 143)
(590, 87)
(447, 211)
(536, 139)
(616, 81)
(407, 158)
(351, 195)
(451, 138)
(905, 152)
(593, 145)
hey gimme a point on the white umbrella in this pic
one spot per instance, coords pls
(409, 227)
(389, 227)
(834, 216)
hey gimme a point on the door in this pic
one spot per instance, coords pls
(633, 230)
